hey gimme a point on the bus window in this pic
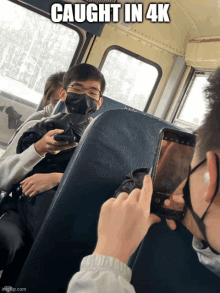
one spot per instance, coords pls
(31, 49)
(129, 80)
(193, 108)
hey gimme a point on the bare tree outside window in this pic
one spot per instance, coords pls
(31, 49)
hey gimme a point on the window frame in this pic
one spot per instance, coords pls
(184, 95)
(138, 57)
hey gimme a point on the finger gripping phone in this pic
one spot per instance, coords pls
(60, 137)
(171, 166)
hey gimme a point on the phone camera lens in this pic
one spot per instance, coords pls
(157, 200)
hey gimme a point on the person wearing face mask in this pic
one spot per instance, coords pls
(34, 163)
(167, 261)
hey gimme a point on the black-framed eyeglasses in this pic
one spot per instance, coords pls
(91, 92)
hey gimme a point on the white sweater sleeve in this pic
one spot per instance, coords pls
(100, 273)
(14, 167)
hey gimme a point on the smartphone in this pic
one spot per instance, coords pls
(60, 137)
(171, 166)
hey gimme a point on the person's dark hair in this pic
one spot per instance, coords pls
(83, 72)
(209, 132)
(54, 81)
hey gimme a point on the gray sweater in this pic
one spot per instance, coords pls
(14, 167)
(99, 271)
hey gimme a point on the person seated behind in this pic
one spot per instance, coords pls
(82, 90)
(124, 222)
(51, 96)
(53, 86)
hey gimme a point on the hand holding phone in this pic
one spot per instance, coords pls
(47, 143)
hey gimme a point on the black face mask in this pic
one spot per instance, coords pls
(188, 203)
(80, 104)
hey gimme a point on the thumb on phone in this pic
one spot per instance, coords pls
(55, 131)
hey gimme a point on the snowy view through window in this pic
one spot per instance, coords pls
(31, 49)
(128, 80)
(194, 108)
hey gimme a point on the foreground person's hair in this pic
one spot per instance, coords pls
(209, 132)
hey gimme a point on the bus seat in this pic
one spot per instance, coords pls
(59, 108)
(109, 104)
(115, 143)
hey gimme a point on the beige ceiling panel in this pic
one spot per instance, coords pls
(206, 15)
(189, 19)
(172, 36)
(204, 54)
(191, 52)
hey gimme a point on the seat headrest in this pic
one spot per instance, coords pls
(59, 108)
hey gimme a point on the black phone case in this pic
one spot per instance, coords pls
(60, 137)
(158, 198)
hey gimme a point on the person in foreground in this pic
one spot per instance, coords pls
(125, 221)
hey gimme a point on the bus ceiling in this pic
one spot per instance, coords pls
(188, 20)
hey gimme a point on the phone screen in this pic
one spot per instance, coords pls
(174, 155)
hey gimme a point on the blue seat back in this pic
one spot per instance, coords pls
(115, 143)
